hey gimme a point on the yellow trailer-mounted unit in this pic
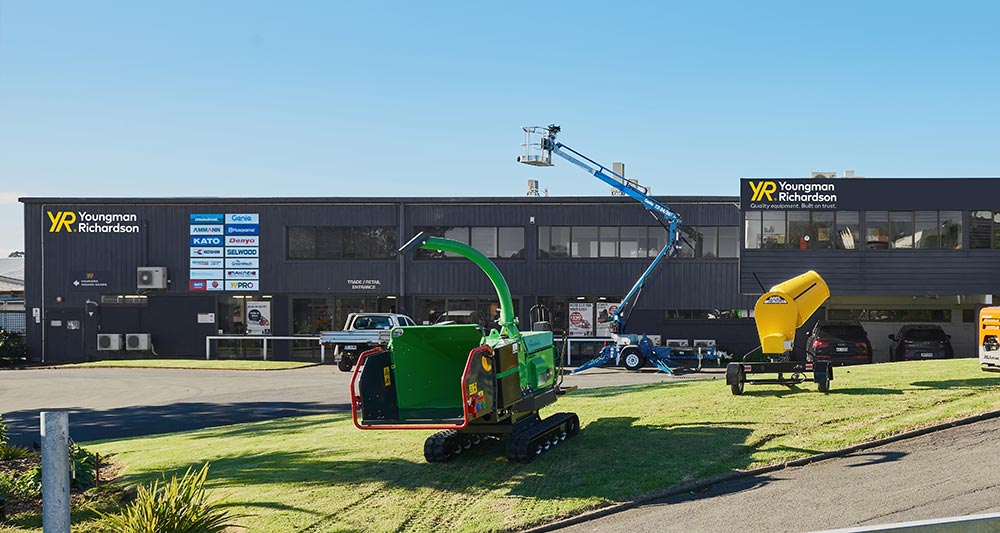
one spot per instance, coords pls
(989, 339)
(778, 313)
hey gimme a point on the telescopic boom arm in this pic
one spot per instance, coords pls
(540, 154)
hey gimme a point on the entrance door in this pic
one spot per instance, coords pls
(64, 335)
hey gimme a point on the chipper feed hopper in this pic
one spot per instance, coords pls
(778, 313)
(471, 384)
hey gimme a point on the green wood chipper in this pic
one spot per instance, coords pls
(471, 384)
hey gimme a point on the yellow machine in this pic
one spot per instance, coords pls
(778, 313)
(989, 339)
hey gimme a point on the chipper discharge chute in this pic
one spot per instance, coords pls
(778, 313)
(471, 384)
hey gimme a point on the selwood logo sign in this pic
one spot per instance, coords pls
(787, 194)
(87, 222)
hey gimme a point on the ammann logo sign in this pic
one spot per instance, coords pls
(782, 194)
(86, 222)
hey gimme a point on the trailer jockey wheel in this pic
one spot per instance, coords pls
(632, 358)
(345, 363)
(822, 381)
(738, 380)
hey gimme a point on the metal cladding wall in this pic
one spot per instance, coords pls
(877, 272)
(162, 239)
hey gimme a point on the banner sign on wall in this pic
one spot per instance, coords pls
(605, 310)
(233, 238)
(258, 318)
(581, 316)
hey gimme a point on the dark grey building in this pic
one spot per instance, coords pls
(307, 262)
(894, 251)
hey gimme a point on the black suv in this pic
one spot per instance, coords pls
(841, 342)
(920, 341)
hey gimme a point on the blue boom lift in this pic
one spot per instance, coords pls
(629, 348)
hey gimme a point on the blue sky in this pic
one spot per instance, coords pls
(427, 98)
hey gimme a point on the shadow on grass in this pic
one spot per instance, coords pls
(611, 458)
(124, 422)
(617, 390)
(866, 391)
(971, 383)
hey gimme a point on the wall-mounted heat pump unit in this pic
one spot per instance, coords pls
(137, 342)
(109, 342)
(152, 277)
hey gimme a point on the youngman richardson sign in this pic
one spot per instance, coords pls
(779, 193)
(232, 238)
(89, 222)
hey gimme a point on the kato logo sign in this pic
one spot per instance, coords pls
(206, 241)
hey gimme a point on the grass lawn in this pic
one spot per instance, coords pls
(214, 364)
(321, 474)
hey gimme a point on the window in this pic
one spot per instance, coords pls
(584, 242)
(634, 241)
(609, 241)
(821, 231)
(341, 242)
(901, 229)
(490, 240)
(709, 242)
(657, 240)
(890, 315)
(559, 246)
(754, 237)
(925, 230)
(773, 229)
(798, 230)
(980, 229)
(729, 241)
(950, 224)
(877, 230)
(511, 243)
(689, 240)
(484, 240)
(848, 230)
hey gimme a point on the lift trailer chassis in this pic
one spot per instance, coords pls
(737, 374)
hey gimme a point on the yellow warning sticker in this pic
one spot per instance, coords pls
(385, 374)
(473, 388)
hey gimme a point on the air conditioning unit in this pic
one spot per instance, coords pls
(137, 342)
(109, 342)
(152, 277)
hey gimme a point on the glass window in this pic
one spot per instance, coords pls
(609, 241)
(657, 240)
(709, 246)
(559, 245)
(901, 227)
(301, 242)
(980, 229)
(950, 224)
(925, 230)
(585, 241)
(773, 229)
(460, 234)
(544, 241)
(821, 231)
(511, 243)
(689, 239)
(729, 241)
(877, 230)
(996, 230)
(484, 239)
(752, 221)
(329, 242)
(798, 230)
(848, 230)
(357, 243)
(634, 240)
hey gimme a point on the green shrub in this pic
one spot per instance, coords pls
(13, 350)
(84, 467)
(10, 451)
(22, 487)
(174, 506)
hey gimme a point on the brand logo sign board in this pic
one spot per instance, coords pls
(225, 251)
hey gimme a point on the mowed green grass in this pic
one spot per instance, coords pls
(213, 364)
(322, 474)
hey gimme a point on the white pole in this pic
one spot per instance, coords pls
(55, 472)
(208, 346)
(264, 351)
(322, 351)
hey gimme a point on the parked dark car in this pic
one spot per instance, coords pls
(840, 342)
(920, 341)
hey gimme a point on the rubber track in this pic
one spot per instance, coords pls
(531, 441)
(446, 445)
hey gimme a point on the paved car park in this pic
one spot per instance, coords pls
(108, 403)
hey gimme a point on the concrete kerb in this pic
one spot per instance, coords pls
(695, 486)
